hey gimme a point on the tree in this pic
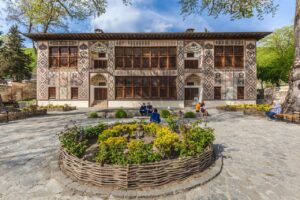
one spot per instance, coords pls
(15, 64)
(50, 15)
(275, 56)
(42, 15)
(246, 9)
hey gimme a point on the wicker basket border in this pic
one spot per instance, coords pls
(149, 175)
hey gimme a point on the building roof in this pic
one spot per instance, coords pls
(148, 36)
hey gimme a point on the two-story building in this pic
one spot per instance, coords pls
(126, 69)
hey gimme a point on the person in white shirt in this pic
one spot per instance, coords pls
(276, 109)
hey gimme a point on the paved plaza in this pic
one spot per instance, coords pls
(261, 159)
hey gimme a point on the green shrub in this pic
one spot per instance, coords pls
(189, 115)
(172, 123)
(118, 130)
(94, 131)
(73, 141)
(195, 139)
(121, 114)
(118, 146)
(139, 152)
(93, 115)
(111, 151)
(167, 144)
(165, 113)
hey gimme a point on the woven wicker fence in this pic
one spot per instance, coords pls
(135, 176)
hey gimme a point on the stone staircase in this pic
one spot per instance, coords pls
(100, 104)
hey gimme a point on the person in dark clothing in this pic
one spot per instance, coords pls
(149, 109)
(143, 109)
(155, 116)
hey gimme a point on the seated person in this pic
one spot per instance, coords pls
(276, 109)
(203, 109)
(149, 109)
(155, 116)
(198, 107)
(143, 109)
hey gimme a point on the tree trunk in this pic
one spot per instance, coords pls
(292, 101)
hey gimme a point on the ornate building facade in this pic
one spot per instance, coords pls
(126, 69)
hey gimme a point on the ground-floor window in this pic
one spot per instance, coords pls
(74, 93)
(217, 93)
(191, 93)
(240, 93)
(51, 93)
(146, 87)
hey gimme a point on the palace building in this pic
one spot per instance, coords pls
(112, 70)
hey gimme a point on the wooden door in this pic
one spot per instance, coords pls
(100, 94)
(191, 93)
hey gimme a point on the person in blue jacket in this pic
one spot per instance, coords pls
(155, 116)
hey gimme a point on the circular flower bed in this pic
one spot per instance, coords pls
(135, 155)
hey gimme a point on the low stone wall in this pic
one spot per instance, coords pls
(64, 109)
(150, 175)
(18, 91)
(21, 115)
(246, 111)
(225, 108)
(254, 112)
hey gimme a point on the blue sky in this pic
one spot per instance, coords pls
(164, 15)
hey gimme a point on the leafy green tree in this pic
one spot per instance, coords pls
(238, 9)
(275, 56)
(49, 15)
(15, 64)
(1, 41)
(46, 15)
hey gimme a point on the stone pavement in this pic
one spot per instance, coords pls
(261, 159)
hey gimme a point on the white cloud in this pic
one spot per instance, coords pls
(140, 17)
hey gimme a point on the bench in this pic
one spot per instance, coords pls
(288, 117)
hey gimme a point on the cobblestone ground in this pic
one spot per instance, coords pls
(261, 159)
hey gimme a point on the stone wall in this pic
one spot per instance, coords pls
(18, 91)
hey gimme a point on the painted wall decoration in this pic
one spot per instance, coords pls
(110, 69)
(75, 79)
(218, 78)
(197, 49)
(180, 70)
(98, 80)
(99, 47)
(53, 78)
(240, 80)
(193, 78)
(208, 65)
(83, 70)
(250, 71)
(42, 71)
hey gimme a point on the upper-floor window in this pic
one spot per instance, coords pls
(145, 57)
(229, 57)
(191, 64)
(63, 56)
(99, 60)
(146, 87)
